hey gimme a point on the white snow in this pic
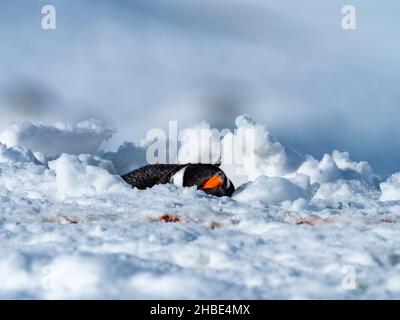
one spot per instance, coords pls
(16, 154)
(75, 178)
(274, 190)
(297, 227)
(52, 140)
(337, 166)
(391, 188)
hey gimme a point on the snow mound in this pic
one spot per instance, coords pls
(251, 151)
(16, 154)
(245, 154)
(52, 140)
(355, 192)
(391, 188)
(335, 167)
(274, 190)
(75, 178)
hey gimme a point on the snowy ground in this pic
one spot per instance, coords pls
(297, 227)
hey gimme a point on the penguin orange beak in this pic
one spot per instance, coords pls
(213, 182)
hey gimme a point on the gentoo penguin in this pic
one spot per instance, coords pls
(206, 177)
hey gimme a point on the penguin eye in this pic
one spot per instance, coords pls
(213, 182)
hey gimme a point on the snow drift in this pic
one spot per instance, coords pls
(274, 190)
(52, 140)
(391, 188)
(71, 228)
(77, 178)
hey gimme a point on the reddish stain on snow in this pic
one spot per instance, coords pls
(313, 221)
(169, 218)
(386, 220)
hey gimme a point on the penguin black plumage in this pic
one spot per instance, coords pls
(206, 177)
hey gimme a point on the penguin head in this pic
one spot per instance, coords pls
(208, 178)
(218, 185)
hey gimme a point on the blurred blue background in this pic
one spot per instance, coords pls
(137, 64)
